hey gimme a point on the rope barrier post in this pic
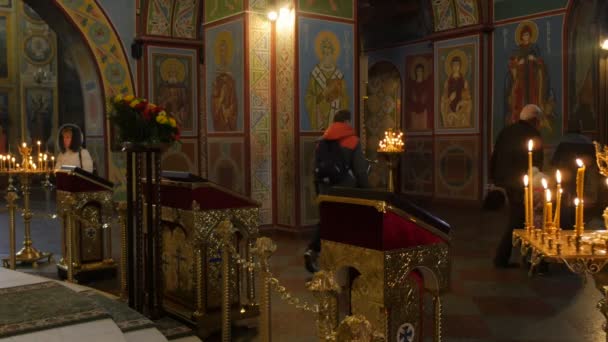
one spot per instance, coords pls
(325, 288)
(68, 206)
(122, 216)
(264, 247)
(437, 302)
(11, 197)
(225, 231)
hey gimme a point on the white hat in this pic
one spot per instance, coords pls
(530, 111)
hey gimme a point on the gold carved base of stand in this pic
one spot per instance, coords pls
(582, 253)
(211, 322)
(29, 255)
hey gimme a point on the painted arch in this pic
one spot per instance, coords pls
(89, 21)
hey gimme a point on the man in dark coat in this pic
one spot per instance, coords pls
(571, 146)
(508, 165)
(343, 132)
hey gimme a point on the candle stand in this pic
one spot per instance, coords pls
(28, 254)
(391, 148)
(25, 171)
(585, 254)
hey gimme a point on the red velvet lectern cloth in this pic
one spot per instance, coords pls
(72, 181)
(366, 227)
(208, 195)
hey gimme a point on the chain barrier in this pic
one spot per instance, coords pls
(274, 281)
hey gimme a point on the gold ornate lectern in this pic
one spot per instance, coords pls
(192, 209)
(398, 251)
(87, 199)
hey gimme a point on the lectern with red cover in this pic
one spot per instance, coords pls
(191, 209)
(92, 207)
(399, 251)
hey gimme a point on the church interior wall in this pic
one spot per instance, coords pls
(241, 87)
(454, 155)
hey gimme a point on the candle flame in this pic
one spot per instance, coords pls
(548, 195)
(24, 144)
(526, 180)
(38, 142)
(530, 145)
(558, 176)
(606, 181)
(544, 181)
(576, 202)
(579, 163)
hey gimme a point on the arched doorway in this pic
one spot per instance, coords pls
(86, 29)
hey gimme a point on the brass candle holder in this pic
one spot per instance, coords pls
(391, 148)
(25, 171)
(601, 158)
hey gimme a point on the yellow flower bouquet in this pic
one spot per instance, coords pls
(142, 122)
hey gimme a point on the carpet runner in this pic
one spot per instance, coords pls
(125, 318)
(172, 329)
(42, 306)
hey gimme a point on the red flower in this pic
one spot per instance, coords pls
(140, 106)
(147, 114)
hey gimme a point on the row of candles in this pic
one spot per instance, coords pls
(45, 163)
(392, 142)
(552, 221)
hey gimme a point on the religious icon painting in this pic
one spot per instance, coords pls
(419, 105)
(457, 86)
(308, 206)
(31, 15)
(467, 12)
(457, 167)
(185, 19)
(444, 14)
(333, 8)
(178, 263)
(39, 114)
(417, 166)
(173, 84)
(38, 49)
(382, 111)
(5, 44)
(5, 109)
(96, 147)
(528, 64)
(225, 82)
(326, 55)
(158, 21)
(182, 157)
(218, 9)
(226, 162)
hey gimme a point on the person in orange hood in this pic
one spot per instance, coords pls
(355, 170)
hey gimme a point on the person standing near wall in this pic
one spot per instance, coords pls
(508, 165)
(339, 149)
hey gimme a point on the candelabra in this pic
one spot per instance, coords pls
(391, 148)
(601, 157)
(25, 171)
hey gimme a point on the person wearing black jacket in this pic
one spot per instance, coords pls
(342, 132)
(508, 165)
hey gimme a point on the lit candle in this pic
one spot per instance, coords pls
(24, 145)
(526, 204)
(38, 143)
(558, 200)
(53, 162)
(549, 206)
(531, 179)
(578, 227)
(45, 164)
(544, 182)
(13, 160)
(580, 179)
